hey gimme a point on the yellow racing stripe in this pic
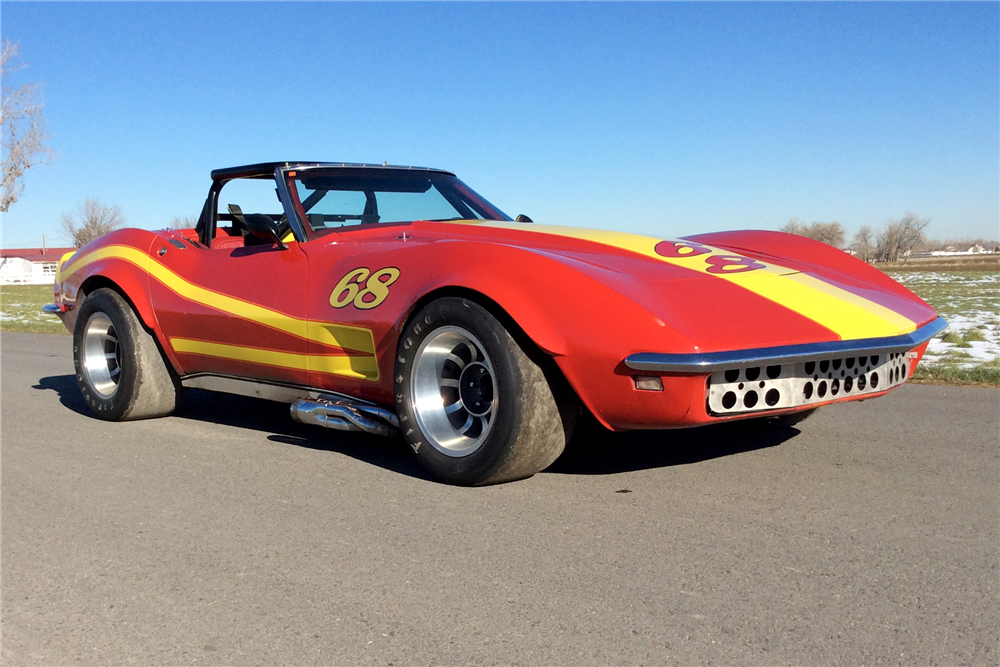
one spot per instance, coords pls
(326, 333)
(365, 368)
(850, 316)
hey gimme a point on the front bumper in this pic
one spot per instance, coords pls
(710, 362)
(786, 378)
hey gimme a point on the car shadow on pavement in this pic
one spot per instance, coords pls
(273, 418)
(593, 450)
(68, 391)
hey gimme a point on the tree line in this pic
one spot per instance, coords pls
(897, 238)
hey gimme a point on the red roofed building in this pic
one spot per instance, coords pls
(30, 266)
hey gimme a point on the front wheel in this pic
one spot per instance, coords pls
(121, 372)
(474, 407)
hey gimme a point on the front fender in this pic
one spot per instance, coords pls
(566, 310)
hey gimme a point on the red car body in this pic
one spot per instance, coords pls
(637, 325)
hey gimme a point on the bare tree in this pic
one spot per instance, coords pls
(899, 237)
(23, 128)
(91, 220)
(793, 226)
(186, 222)
(831, 233)
(863, 244)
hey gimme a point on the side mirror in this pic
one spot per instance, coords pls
(263, 227)
(523, 218)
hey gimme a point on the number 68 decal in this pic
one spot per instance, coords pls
(363, 288)
(715, 263)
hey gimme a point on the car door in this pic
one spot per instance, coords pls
(234, 311)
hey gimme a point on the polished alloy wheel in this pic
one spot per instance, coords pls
(454, 390)
(101, 355)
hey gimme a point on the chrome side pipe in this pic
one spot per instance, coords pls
(344, 416)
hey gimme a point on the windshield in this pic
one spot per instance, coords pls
(330, 198)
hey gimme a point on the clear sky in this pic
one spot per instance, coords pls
(660, 118)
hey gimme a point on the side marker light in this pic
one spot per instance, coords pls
(648, 382)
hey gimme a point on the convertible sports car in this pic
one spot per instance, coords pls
(395, 300)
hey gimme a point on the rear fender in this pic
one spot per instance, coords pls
(88, 271)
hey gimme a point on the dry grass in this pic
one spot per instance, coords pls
(960, 263)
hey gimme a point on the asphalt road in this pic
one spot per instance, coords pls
(229, 534)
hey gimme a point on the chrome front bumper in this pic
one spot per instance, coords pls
(710, 362)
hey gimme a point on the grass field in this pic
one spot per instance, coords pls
(967, 353)
(21, 309)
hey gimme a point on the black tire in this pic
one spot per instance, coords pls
(133, 381)
(512, 415)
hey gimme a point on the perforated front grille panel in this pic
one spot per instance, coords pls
(772, 387)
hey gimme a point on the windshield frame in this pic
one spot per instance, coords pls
(455, 192)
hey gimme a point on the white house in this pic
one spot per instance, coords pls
(30, 266)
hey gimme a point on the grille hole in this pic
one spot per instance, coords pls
(772, 396)
(849, 362)
(862, 361)
(753, 373)
(774, 371)
(728, 400)
(848, 384)
(862, 381)
(835, 387)
(821, 392)
(732, 375)
(762, 383)
(810, 367)
(808, 390)
(874, 380)
(874, 360)
(824, 366)
(750, 399)
(836, 364)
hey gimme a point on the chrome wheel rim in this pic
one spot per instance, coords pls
(102, 361)
(454, 391)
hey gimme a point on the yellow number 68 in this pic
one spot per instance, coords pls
(376, 288)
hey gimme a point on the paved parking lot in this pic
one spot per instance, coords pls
(228, 534)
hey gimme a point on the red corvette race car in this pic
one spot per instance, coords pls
(395, 300)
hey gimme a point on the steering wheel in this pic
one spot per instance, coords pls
(283, 227)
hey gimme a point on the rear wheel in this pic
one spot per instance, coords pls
(474, 407)
(121, 372)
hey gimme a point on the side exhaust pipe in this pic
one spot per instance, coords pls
(344, 416)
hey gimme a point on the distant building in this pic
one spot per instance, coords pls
(30, 266)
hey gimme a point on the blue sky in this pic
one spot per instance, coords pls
(660, 118)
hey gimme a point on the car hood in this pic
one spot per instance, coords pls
(760, 289)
